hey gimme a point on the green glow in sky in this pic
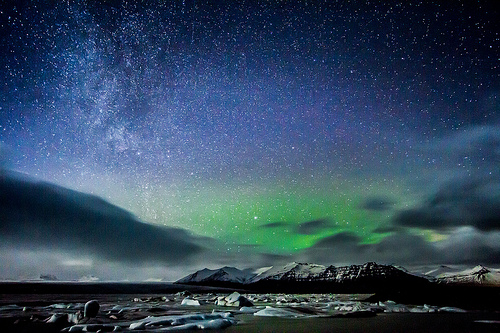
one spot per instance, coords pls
(238, 213)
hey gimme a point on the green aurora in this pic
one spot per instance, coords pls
(242, 214)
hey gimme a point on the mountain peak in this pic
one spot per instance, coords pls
(225, 274)
(480, 269)
(296, 272)
(290, 271)
(478, 275)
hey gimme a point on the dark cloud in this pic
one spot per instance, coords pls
(336, 249)
(271, 259)
(463, 246)
(477, 142)
(275, 225)
(403, 248)
(378, 204)
(304, 228)
(39, 215)
(313, 227)
(467, 245)
(340, 239)
(460, 202)
(386, 229)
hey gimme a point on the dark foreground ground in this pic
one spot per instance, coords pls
(37, 301)
(390, 322)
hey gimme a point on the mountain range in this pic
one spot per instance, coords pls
(307, 277)
(479, 275)
(471, 288)
(215, 277)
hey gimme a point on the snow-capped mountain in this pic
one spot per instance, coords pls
(366, 271)
(431, 271)
(312, 272)
(216, 276)
(478, 275)
(291, 271)
(306, 276)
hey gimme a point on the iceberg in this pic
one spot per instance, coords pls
(269, 311)
(216, 320)
(191, 302)
(235, 299)
(451, 309)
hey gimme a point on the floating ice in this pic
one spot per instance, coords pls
(269, 311)
(60, 306)
(451, 309)
(12, 307)
(94, 328)
(487, 321)
(91, 309)
(423, 309)
(347, 306)
(132, 315)
(216, 320)
(189, 301)
(235, 299)
(246, 309)
(391, 306)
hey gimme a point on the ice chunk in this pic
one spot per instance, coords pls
(235, 299)
(396, 308)
(12, 307)
(189, 301)
(391, 306)
(216, 320)
(94, 328)
(269, 311)
(423, 309)
(91, 309)
(451, 309)
(347, 306)
(212, 324)
(246, 309)
(419, 309)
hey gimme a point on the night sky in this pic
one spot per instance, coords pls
(143, 139)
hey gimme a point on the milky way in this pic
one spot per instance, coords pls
(330, 131)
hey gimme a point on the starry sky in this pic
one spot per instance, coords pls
(172, 135)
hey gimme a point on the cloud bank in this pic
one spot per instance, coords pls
(379, 204)
(38, 215)
(461, 203)
(465, 245)
(471, 201)
(303, 228)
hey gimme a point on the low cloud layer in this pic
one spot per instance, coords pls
(468, 193)
(304, 228)
(42, 216)
(463, 246)
(314, 227)
(477, 141)
(379, 204)
(461, 202)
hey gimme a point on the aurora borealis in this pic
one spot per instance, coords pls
(325, 131)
